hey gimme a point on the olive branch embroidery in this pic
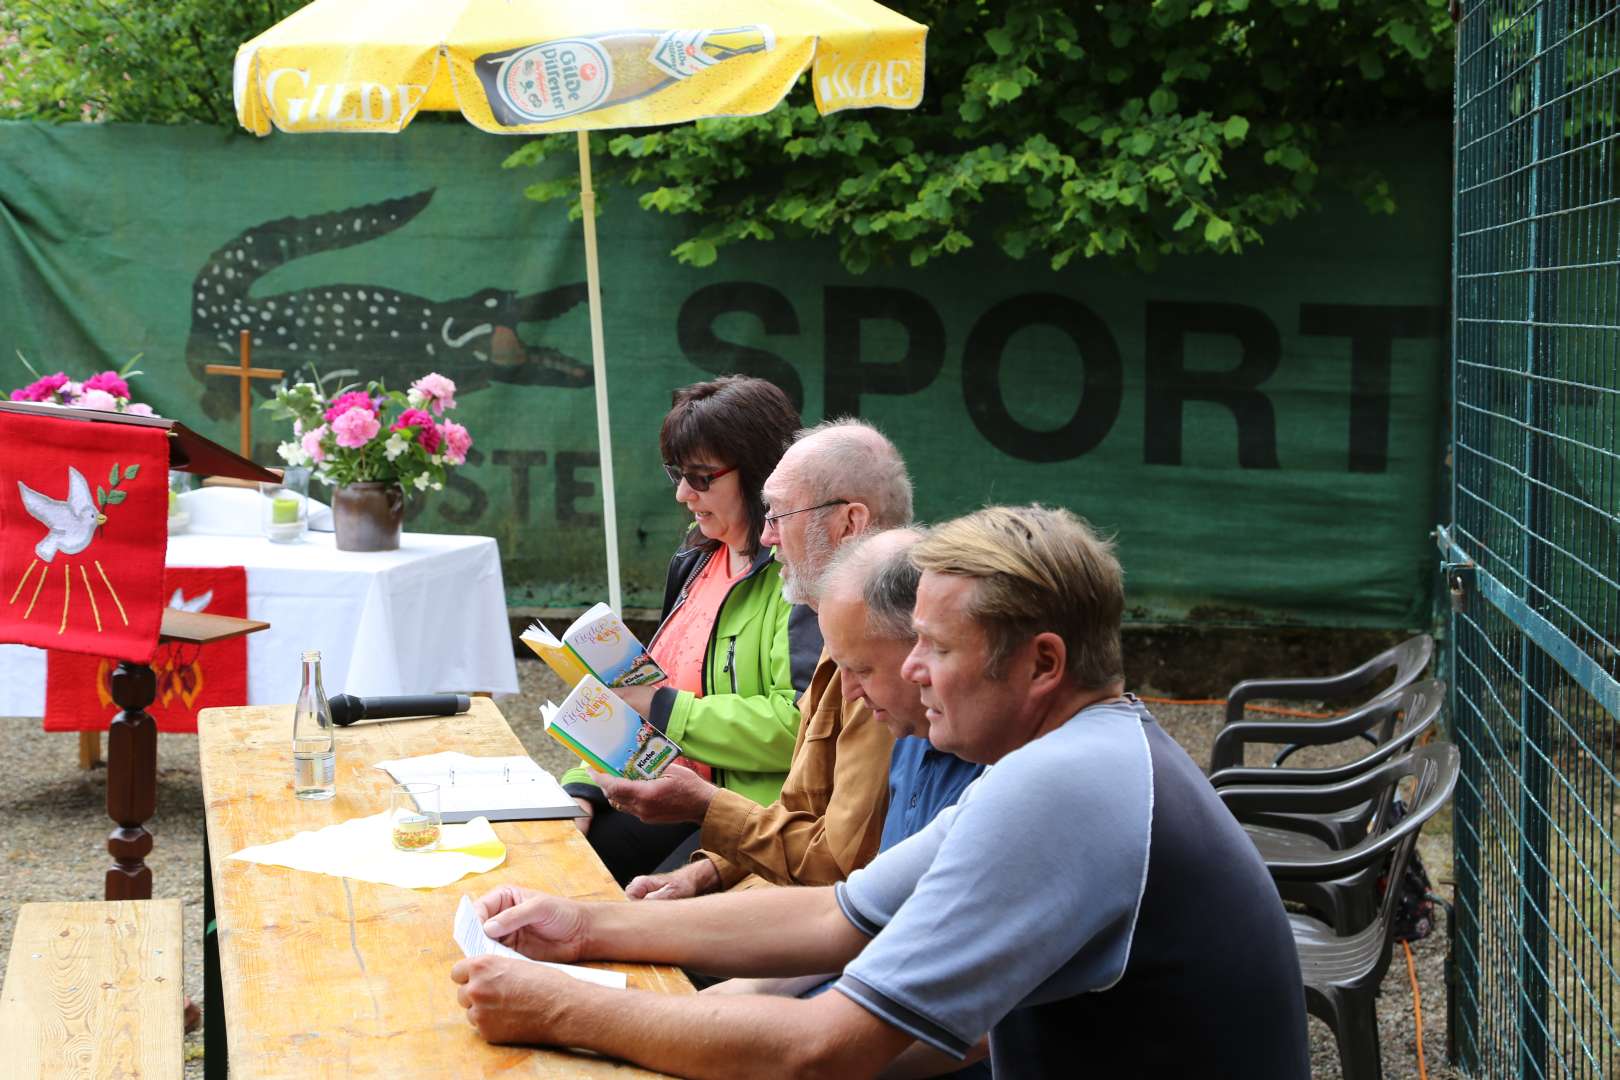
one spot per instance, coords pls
(111, 495)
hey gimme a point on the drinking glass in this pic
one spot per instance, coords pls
(284, 507)
(413, 816)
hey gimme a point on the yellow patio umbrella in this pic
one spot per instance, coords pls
(531, 67)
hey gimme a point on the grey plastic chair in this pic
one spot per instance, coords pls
(1389, 723)
(1342, 972)
(1352, 903)
(1403, 663)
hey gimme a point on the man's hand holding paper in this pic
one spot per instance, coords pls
(678, 795)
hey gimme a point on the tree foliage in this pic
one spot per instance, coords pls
(152, 61)
(1128, 128)
(1054, 129)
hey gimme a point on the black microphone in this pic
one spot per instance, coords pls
(346, 708)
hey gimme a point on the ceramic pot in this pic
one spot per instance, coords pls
(368, 515)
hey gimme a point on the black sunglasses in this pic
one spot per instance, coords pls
(695, 480)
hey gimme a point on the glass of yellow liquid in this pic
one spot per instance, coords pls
(413, 816)
(284, 507)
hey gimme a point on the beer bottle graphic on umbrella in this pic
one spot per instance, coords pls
(551, 80)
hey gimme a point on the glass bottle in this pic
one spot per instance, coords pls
(314, 748)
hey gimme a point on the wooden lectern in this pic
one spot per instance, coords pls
(132, 733)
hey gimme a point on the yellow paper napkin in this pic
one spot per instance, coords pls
(363, 848)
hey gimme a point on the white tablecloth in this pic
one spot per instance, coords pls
(428, 617)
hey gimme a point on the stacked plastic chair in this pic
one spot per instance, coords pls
(1342, 970)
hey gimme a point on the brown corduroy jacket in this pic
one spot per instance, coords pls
(829, 818)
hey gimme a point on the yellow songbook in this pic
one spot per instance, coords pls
(597, 643)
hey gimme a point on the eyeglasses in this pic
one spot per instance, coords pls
(771, 519)
(695, 480)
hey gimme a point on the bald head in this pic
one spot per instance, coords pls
(837, 481)
(851, 459)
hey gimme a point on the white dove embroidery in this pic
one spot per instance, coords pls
(70, 523)
(196, 603)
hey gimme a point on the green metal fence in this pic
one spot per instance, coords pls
(1533, 551)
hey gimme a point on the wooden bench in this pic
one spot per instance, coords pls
(94, 990)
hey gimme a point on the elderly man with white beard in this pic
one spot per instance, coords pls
(838, 481)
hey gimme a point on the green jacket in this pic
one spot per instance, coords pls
(761, 654)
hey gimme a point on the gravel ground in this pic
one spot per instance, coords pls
(54, 848)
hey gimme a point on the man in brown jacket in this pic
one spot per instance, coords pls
(838, 481)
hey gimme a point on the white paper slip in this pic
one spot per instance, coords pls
(499, 788)
(474, 942)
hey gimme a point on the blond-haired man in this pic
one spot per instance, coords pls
(1087, 895)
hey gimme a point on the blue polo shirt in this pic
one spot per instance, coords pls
(922, 782)
(1084, 898)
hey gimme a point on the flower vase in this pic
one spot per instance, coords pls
(368, 515)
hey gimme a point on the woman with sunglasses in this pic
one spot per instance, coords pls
(738, 655)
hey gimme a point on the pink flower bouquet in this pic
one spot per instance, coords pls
(375, 434)
(107, 391)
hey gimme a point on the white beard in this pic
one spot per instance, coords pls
(802, 584)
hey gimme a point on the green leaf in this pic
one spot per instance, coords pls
(696, 252)
(1162, 101)
(1236, 128)
(1216, 230)
(112, 477)
(132, 472)
(999, 40)
(1188, 216)
(116, 497)
(1005, 90)
(101, 495)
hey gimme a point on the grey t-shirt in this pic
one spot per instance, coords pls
(1091, 903)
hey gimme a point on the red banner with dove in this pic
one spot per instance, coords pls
(190, 678)
(83, 532)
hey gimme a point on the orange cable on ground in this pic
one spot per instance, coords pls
(1417, 1008)
(1274, 710)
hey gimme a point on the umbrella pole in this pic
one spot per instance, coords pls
(604, 432)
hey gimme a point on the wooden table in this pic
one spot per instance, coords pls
(329, 977)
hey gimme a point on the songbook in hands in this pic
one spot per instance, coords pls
(595, 724)
(597, 643)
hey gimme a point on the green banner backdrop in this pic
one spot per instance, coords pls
(1261, 432)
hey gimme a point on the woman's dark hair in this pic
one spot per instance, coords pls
(734, 420)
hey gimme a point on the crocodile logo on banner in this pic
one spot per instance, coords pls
(377, 329)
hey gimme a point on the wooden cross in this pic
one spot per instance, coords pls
(245, 372)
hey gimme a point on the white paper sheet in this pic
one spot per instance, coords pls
(469, 934)
(468, 783)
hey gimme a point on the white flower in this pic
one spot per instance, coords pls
(437, 459)
(293, 453)
(397, 444)
(438, 487)
(421, 481)
(416, 398)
